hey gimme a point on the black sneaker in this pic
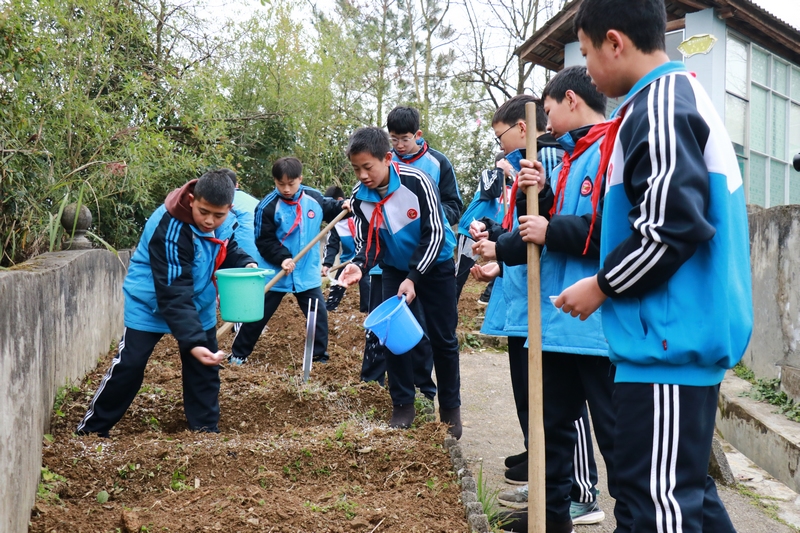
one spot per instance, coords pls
(518, 475)
(514, 460)
(484, 298)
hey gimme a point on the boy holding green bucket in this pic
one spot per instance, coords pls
(169, 289)
(285, 222)
(400, 224)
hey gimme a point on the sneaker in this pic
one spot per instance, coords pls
(518, 475)
(233, 360)
(402, 416)
(514, 460)
(516, 499)
(586, 513)
(484, 299)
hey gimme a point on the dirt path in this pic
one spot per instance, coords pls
(491, 432)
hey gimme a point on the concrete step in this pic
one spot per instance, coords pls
(767, 438)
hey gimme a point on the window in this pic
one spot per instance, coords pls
(762, 115)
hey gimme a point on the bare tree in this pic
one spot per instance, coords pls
(496, 29)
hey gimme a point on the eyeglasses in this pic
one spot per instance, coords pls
(398, 140)
(498, 138)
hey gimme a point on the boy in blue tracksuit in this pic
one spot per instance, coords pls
(409, 147)
(342, 238)
(674, 282)
(169, 288)
(285, 221)
(575, 365)
(400, 221)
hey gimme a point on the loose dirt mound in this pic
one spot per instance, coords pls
(291, 457)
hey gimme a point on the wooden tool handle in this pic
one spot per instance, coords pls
(536, 462)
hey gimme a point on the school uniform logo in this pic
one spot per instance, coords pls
(311, 214)
(586, 187)
(412, 214)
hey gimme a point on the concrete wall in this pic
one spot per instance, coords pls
(58, 313)
(775, 259)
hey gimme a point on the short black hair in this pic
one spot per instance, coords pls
(231, 174)
(215, 187)
(334, 191)
(577, 80)
(513, 111)
(643, 21)
(369, 139)
(402, 120)
(291, 167)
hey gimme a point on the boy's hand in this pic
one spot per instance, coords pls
(485, 248)
(350, 275)
(288, 265)
(486, 272)
(508, 170)
(532, 173)
(324, 271)
(477, 230)
(533, 228)
(407, 288)
(582, 298)
(206, 356)
(346, 204)
(251, 265)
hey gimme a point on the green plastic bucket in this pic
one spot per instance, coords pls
(241, 293)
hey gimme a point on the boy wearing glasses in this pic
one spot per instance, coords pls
(410, 148)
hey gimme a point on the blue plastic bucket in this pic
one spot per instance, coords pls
(395, 325)
(241, 293)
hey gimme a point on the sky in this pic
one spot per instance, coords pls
(786, 10)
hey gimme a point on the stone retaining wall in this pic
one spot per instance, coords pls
(58, 313)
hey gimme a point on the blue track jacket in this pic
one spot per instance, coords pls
(675, 249)
(507, 312)
(341, 234)
(169, 286)
(244, 209)
(487, 201)
(283, 227)
(439, 169)
(414, 234)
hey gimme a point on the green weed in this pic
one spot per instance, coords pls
(48, 486)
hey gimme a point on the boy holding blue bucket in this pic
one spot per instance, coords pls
(169, 289)
(400, 222)
(285, 222)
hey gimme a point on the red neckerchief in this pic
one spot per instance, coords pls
(411, 158)
(222, 253)
(298, 215)
(351, 226)
(376, 220)
(508, 219)
(606, 129)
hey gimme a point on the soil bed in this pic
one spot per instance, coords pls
(291, 457)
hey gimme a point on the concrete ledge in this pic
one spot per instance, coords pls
(58, 313)
(769, 439)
